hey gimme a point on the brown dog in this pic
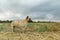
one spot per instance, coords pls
(20, 23)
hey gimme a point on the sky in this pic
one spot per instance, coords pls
(35, 9)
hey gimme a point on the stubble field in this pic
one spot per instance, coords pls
(34, 31)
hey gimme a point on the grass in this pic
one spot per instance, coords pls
(30, 36)
(35, 31)
(42, 27)
(36, 27)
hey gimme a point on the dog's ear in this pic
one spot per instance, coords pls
(27, 17)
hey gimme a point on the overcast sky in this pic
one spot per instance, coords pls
(36, 9)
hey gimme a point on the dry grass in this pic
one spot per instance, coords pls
(34, 31)
(30, 36)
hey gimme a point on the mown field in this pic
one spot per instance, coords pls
(34, 31)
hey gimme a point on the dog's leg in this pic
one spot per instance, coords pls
(13, 28)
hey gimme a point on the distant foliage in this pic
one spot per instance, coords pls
(7, 21)
(42, 22)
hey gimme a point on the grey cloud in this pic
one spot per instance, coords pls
(35, 12)
(48, 8)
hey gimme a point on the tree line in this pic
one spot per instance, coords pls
(5, 21)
